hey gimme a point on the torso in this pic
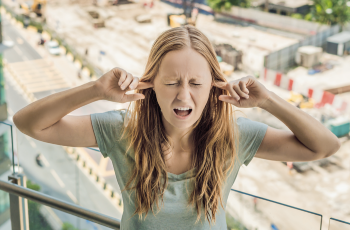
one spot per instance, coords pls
(178, 162)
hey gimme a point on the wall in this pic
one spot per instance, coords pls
(282, 60)
(276, 21)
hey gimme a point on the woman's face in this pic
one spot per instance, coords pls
(182, 87)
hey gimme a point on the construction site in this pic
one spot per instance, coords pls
(309, 68)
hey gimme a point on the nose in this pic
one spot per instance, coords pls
(184, 93)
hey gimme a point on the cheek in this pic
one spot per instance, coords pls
(164, 97)
(200, 96)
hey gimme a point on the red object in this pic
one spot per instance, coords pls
(310, 92)
(327, 98)
(278, 79)
(290, 84)
(290, 165)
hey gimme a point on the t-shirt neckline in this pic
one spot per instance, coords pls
(186, 175)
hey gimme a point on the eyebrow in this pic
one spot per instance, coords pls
(178, 78)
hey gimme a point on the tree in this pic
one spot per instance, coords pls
(219, 5)
(330, 12)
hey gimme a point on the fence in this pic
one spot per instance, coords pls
(275, 21)
(320, 97)
(284, 59)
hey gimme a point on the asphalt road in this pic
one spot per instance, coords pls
(59, 177)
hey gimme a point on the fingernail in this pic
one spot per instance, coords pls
(237, 98)
(131, 86)
(246, 96)
(122, 87)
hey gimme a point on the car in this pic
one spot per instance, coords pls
(18, 169)
(8, 43)
(53, 47)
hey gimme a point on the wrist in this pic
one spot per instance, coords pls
(268, 103)
(98, 90)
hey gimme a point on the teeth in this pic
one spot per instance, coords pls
(183, 108)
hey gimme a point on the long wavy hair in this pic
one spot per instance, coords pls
(214, 133)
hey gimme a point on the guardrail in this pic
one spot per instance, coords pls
(60, 205)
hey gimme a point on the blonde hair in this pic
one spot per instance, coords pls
(213, 133)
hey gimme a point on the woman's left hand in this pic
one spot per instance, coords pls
(245, 92)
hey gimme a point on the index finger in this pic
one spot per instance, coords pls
(144, 85)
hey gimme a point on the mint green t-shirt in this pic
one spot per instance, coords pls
(175, 212)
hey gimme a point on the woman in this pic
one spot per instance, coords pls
(178, 150)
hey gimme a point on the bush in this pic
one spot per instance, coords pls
(233, 224)
(68, 226)
(36, 220)
(33, 186)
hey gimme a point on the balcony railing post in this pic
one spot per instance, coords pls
(18, 205)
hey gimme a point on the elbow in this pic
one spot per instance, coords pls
(16, 121)
(19, 123)
(335, 146)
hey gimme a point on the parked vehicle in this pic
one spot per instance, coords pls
(53, 47)
(38, 160)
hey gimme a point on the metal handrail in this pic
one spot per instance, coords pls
(60, 205)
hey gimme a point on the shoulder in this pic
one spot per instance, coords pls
(251, 134)
(247, 126)
(108, 128)
(114, 115)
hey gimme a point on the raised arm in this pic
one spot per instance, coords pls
(47, 120)
(307, 139)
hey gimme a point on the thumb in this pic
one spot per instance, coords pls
(133, 97)
(229, 99)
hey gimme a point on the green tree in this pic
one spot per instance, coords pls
(330, 12)
(219, 5)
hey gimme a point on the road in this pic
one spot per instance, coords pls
(59, 177)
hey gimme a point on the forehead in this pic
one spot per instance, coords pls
(184, 63)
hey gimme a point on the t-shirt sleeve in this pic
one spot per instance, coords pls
(251, 134)
(108, 128)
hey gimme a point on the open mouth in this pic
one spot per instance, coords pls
(183, 112)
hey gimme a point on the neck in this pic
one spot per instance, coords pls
(179, 137)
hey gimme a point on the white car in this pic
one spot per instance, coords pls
(53, 47)
(17, 169)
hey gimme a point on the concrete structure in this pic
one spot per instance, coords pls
(284, 7)
(339, 43)
(308, 56)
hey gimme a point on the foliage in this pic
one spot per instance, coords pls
(219, 5)
(36, 220)
(33, 186)
(68, 226)
(297, 16)
(330, 12)
(233, 224)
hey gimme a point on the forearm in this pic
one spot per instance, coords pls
(47, 111)
(307, 130)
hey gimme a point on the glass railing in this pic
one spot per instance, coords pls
(45, 212)
(335, 224)
(254, 212)
(243, 210)
(7, 153)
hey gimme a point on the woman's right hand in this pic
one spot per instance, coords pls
(114, 84)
